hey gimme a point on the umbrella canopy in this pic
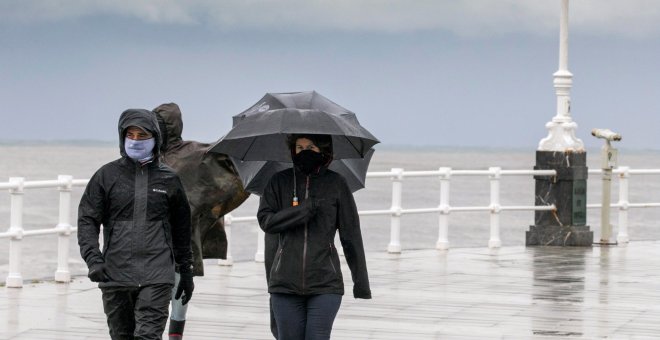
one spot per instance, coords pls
(310, 100)
(256, 174)
(259, 133)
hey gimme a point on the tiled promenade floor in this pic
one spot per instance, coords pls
(477, 293)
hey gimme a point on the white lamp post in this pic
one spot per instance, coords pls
(563, 152)
(561, 130)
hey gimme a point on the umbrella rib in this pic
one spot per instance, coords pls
(248, 148)
(353, 145)
(339, 127)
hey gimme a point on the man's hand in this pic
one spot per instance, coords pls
(97, 273)
(186, 286)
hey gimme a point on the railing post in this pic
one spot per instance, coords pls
(62, 274)
(14, 278)
(495, 208)
(259, 256)
(443, 217)
(395, 226)
(622, 237)
(229, 261)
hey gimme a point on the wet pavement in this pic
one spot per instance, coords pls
(469, 293)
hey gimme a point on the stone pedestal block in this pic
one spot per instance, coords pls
(559, 236)
(568, 192)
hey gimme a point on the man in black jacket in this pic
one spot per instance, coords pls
(146, 232)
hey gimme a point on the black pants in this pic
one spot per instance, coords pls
(137, 312)
(305, 317)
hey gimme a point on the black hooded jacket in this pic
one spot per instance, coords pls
(144, 212)
(306, 261)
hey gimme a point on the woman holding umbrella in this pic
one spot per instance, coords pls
(305, 207)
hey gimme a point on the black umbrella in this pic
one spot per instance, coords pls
(259, 133)
(256, 174)
(296, 100)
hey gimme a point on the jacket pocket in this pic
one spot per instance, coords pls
(107, 238)
(332, 265)
(278, 260)
(118, 254)
(168, 239)
(156, 256)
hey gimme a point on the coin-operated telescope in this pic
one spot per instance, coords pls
(609, 161)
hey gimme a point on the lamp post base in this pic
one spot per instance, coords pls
(568, 192)
(568, 236)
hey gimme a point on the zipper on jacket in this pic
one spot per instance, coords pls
(279, 260)
(332, 264)
(280, 247)
(106, 243)
(168, 240)
(140, 203)
(305, 243)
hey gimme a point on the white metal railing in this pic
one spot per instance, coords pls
(624, 204)
(444, 209)
(17, 185)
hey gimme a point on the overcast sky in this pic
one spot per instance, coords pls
(427, 72)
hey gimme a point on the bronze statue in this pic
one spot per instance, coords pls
(213, 189)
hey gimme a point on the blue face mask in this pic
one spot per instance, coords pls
(139, 150)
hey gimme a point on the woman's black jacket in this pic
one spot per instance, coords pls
(306, 261)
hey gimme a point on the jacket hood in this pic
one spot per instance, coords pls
(143, 119)
(170, 114)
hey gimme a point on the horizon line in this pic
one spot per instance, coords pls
(383, 146)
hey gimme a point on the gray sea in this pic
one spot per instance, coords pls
(43, 161)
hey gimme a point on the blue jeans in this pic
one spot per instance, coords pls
(301, 317)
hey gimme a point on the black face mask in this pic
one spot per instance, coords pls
(308, 161)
